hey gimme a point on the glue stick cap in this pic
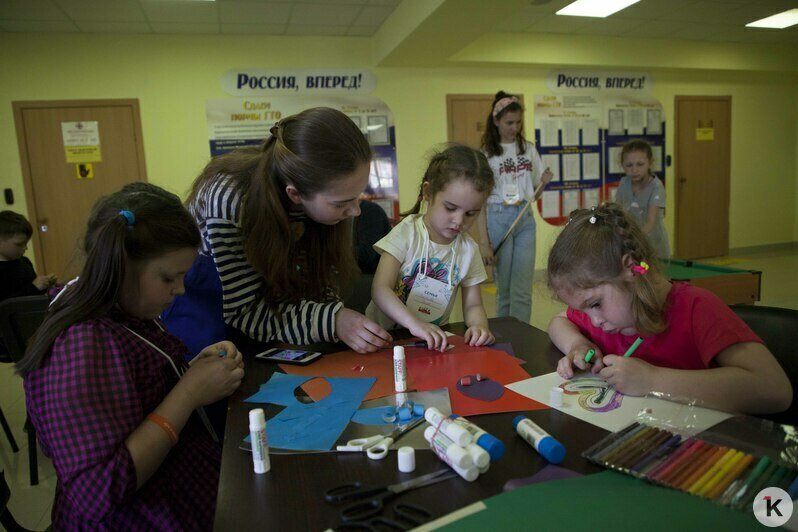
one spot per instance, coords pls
(493, 445)
(551, 450)
(257, 419)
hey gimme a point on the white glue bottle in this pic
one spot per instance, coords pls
(459, 435)
(399, 368)
(260, 446)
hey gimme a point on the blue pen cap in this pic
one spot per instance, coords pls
(493, 445)
(551, 450)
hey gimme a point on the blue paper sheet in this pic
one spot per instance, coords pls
(312, 426)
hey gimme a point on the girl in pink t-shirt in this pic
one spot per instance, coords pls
(692, 346)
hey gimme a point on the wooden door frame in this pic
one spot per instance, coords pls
(677, 178)
(27, 180)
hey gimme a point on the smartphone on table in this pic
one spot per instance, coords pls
(289, 356)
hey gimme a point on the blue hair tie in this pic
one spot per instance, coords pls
(129, 217)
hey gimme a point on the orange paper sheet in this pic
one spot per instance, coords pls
(427, 370)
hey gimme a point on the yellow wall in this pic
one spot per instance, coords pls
(173, 76)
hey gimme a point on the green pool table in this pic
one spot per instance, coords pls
(732, 285)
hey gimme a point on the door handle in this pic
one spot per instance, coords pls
(682, 180)
(43, 228)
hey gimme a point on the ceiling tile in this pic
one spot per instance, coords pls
(324, 15)
(39, 26)
(184, 12)
(385, 2)
(373, 15)
(113, 27)
(247, 12)
(253, 29)
(560, 24)
(116, 10)
(654, 9)
(30, 10)
(185, 27)
(608, 26)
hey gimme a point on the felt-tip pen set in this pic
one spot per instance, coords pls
(721, 474)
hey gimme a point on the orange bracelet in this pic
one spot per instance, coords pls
(161, 422)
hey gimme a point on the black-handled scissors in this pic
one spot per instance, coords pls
(377, 496)
(407, 516)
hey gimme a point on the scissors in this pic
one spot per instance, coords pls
(378, 495)
(405, 516)
(376, 447)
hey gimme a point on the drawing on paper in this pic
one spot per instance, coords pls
(595, 394)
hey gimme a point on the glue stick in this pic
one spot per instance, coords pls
(260, 447)
(440, 441)
(459, 435)
(548, 447)
(399, 369)
(487, 441)
(469, 473)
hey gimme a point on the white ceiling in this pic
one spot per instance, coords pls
(703, 20)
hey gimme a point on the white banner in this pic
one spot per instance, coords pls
(264, 82)
(578, 81)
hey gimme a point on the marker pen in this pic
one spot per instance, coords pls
(548, 447)
(589, 354)
(260, 446)
(399, 369)
(493, 445)
(457, 433)
(633, 347)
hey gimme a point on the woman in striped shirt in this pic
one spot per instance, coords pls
(274, 251)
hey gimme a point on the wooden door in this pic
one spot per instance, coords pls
(703, 176)
(61, 192)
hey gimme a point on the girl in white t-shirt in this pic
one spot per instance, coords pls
(426, 257)
(519, 172)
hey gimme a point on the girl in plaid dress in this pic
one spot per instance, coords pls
(112, 400)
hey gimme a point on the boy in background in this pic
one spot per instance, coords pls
(17, 276)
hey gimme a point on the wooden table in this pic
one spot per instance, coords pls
(291, 495)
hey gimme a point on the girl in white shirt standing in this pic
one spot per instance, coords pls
(518, 171)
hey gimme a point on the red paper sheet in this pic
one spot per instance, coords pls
(430, 372)
(427, 370)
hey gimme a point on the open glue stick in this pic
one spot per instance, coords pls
(399, 369)
(548, 447)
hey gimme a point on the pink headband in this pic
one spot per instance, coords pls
(501, 104)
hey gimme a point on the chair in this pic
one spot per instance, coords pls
(6, 519)
(778, 328)
(19, 319)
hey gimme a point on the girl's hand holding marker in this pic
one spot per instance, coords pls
(581, 356)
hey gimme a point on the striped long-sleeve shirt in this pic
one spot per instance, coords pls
(217, 210)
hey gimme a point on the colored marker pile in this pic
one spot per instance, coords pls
(465, 447)
(721, 474)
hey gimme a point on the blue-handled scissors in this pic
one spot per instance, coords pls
(376, 447)
(378, 495)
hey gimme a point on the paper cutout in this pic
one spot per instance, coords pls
(594, 393)
(435, 371)
(484, 390)
(313, 426)
(626, 412)
(378, 365)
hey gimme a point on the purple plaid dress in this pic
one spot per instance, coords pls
(95, 387)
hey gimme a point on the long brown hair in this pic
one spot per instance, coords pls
(590, 251)
(159, 225)
(454, 162)
(491, 139)
(308, 150)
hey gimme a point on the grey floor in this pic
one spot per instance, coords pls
(31, 505)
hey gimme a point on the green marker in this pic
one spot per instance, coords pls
(589, 354)
(633, 347)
